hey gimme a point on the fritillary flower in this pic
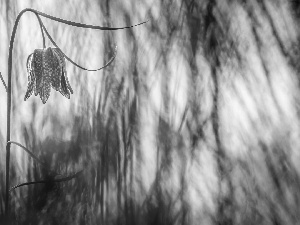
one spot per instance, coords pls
(46, 68)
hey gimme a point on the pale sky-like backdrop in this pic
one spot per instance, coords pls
(172, 71)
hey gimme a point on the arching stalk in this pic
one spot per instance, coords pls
(8, 86)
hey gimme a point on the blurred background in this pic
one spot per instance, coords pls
(195, 122)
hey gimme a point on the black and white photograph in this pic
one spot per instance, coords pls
(150, 112)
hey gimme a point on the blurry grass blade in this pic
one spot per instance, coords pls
(26, 150)
(66, 178)
(112, 58)
(3, 81)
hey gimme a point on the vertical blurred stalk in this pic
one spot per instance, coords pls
(224, 213)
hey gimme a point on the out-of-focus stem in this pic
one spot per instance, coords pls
(3, 81)
(63, 179)
(26, 150)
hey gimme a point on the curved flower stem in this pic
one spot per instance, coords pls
(9, 91)
(82, 25)
(42, 30)
(70, 60)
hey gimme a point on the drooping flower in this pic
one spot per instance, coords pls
(46, 68)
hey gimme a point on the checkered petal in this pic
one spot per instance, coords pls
(56, 71)
(65, 87)
(45, 79)
(31, 77)
(37, 66)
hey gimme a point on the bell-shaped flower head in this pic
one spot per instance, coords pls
(46, 68)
